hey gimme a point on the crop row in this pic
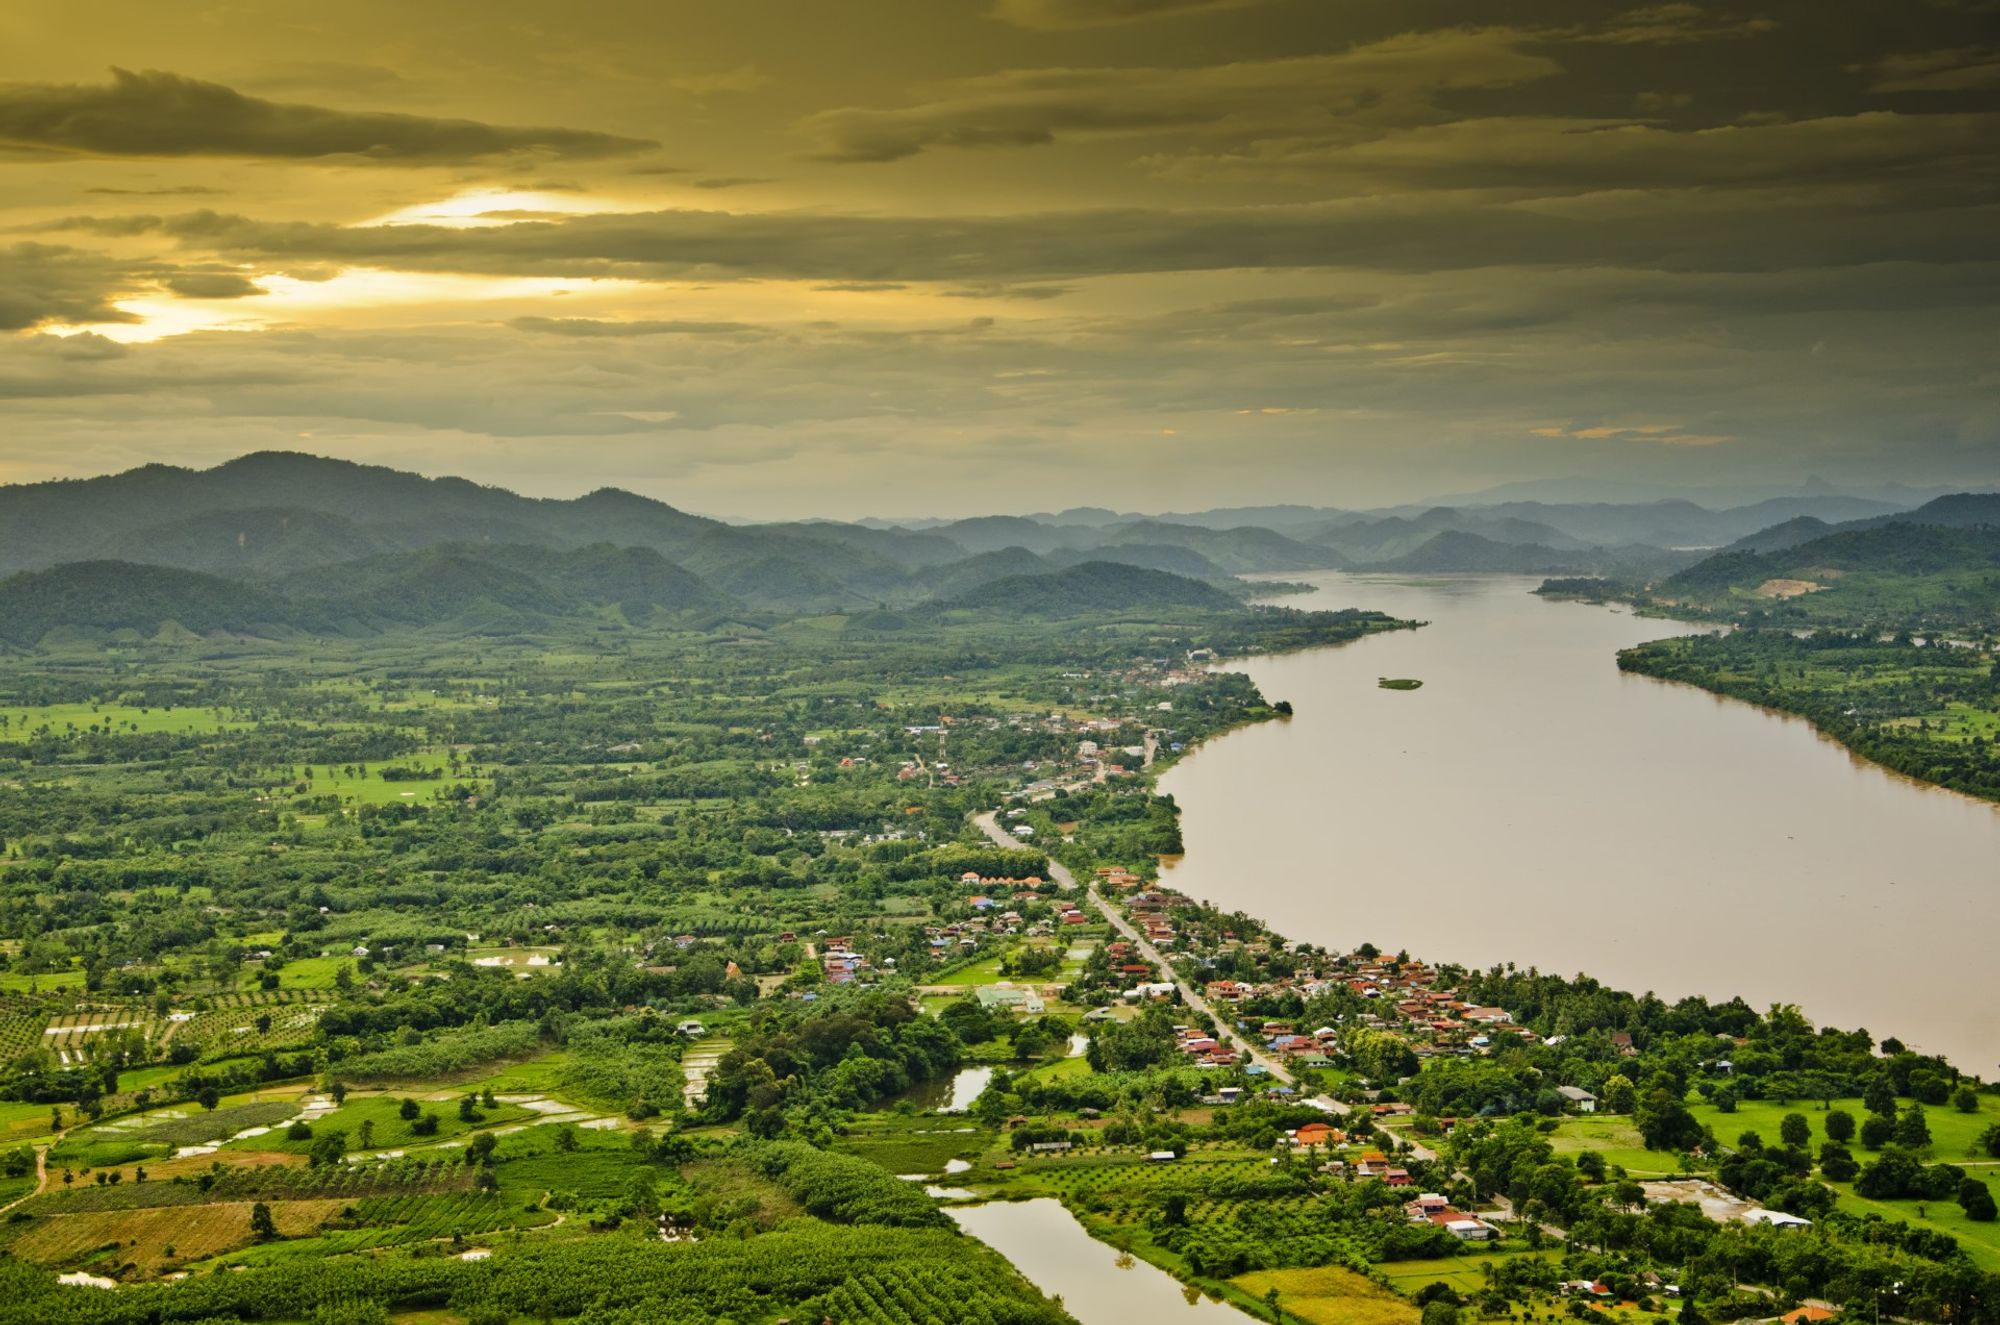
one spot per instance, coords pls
(938, 1295)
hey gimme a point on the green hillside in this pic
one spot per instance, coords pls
(480, 591)
(1094, 587)
(121, 596)
(1895, 574)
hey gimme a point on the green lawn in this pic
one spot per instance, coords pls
(1461, 1272)
(985, 971)
(1981, 1241)
(330, 779)
(12, 982)
(123, 720)
(536, 1076)
(1952, 1132)
(1952, 1136)
(1329, 1295)
(1618, 1141)
(302, 973)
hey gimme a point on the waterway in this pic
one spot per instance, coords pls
(1097, 1284)
(1533, 804)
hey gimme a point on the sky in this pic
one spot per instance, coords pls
(939, 257)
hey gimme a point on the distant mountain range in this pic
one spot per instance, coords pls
(280, 542)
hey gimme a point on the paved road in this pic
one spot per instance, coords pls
(989, 824)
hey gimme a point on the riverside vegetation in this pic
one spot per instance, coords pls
(1881, 633)
(542, 949)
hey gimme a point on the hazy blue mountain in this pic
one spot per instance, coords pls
(963, 576)
(1239, 551)
(1154, 556)
(991, 533)
(1799, 529)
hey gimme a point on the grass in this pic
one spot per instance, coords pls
(302, 973)
(1952, 1132)
(534, 1076)
(123, 720)
(915, 1144)
(985, 971)
(14, 982)
(1060, 1068)
(391, 1130)
(1461, 1272)
(330, 779)
(1619, 1142)
(1981, 1241)
(1329, 1295)
(1952, 1138)
(22, 1120)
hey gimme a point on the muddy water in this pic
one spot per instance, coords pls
(1096, 1284)
(1533, 804)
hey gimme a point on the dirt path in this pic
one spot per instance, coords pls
(41, 1179)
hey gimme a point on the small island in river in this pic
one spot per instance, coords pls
(1398, 683)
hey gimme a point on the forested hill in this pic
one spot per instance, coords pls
(92, 596)
(1902, 572)
(1094, 586)
(483, 589)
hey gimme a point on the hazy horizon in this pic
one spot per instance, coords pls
(1565, 490)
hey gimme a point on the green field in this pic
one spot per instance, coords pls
(1952, 1135)
(1952, 1132)
(117, 718)
(391, 1131)
(1617, 1140)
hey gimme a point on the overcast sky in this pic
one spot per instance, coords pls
(785, 257)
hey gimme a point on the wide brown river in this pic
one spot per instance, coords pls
(1532, 804)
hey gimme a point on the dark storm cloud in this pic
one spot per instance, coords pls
(155, 114)
(1060, 15)
(49, 283)
(175, 191)
(1914, 156)
(211, 285)
(1387, 81)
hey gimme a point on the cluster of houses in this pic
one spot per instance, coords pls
(1148, 910)
(1203, 1048)
(1430, 1208)
(1403, 998)
(1118, 877)
(840, 963)
(1026, 890)
(1301, 1050)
